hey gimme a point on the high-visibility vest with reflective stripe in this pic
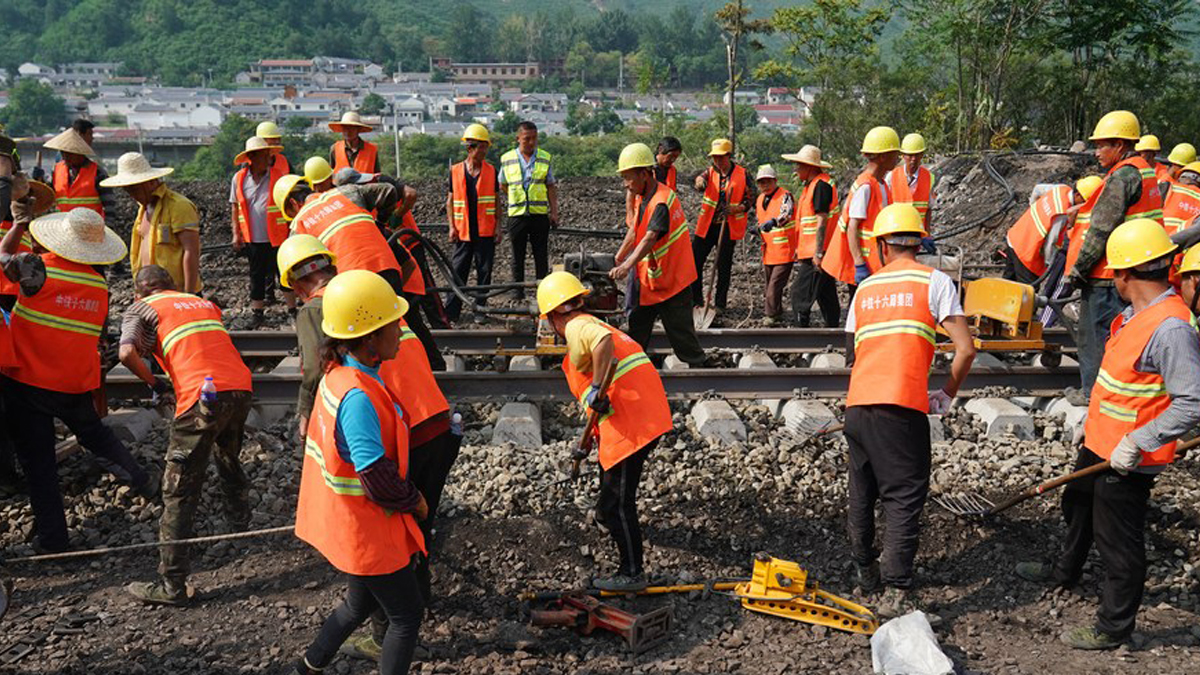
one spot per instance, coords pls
(280, 162)
(348, 231)
(193, 345)
(640, 412)
(1181, 206)
(537, 200)
(838, 261)
(1148, 205)
(1125, 399)
(8, 286)
(55, 332)
(806, 243)
(669, 267)
(894, 336)
(1162, 172)
(485, 204)
(78, 193)
(364, 161)
(735, 192)
(334, 514)
(414, 283)
(779, 245)
(411, 378)
(670, 181)
(918, 196)
(277, 229)
(1027, 236)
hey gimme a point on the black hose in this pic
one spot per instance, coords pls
(1008, 201)
(447, 270)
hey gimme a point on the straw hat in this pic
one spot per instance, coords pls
(809, 154)
(350, 119)
(255, 144)
(70, 141)
(43, 197)
(133, 169)
(79, 235)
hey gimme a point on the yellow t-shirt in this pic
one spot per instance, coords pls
(173, 213)
(584, 333)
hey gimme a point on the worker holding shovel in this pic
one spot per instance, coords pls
(612, 377)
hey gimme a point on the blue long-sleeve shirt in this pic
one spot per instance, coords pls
(358, 432)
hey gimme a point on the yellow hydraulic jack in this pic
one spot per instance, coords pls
(1001, 317)
(781, 588)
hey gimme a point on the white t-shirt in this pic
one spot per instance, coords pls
(258, 195)
(943, 300)
(862, 198)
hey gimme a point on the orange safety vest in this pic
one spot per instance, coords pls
(1162, 173)
(278, 160)
(1149, 205)
(55, 332)
(334, 514)
(193, 345)
(364, 161)
(80, 193)
(485, 204)
(7, 356)
(1180, 207)
(640, 412)
(8, 286)
(894, 336)
(1028, 235)
(670, 182)
(806, 244)
(277, 229)
(919, 198)
(1124, 399)
(735, 191)
(779, 245)
(669, 267)
(348, 231)
(411, 378)
(838, 262)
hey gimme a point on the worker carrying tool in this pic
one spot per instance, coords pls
(632, 413)
(471, 210)
(724, 209)
(358, 505)
(911, 183)
(353, 150)
(211, 388)
(1033, 240)
(893, 321)
(852, 255)
(775, 222)
(657, 257)
(255, 225)
(1181, 155)
(817, 212)
(1130, 190)
(1146, 397)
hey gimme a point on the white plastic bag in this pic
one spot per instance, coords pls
(906, 645)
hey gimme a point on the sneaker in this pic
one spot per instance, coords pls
(1087, 637)
(1035, 572)
(362, 647)
(161, 593)
(621, 583)
(866, 577)
(897, 602)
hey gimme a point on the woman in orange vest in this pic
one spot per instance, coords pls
(352, 151)
(775, 218)
(358, 505)
(256, 224)
(852, 255)
(1147, 396)
(725, 206)
(633, 414)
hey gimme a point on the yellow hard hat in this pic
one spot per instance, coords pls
(1135, 242)
(476, 132)
(556, 289)
(358, 303)
(913, 144)
(880, 140)
(1193, 167)
(1182, 154)
(1191, 260)
(902, 218)
(268, 130)
(721, 146)
(1117, 124)
(317, 170)
(1148, 142)
(295, 250)
(635, 156)
(1087, 186)
(283, 188)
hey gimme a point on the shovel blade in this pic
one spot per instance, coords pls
(965, 504)
(703, 317)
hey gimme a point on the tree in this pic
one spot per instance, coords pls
(578, 61)
(614, 30)
(373, 104)
(507, 124)
(469, 34)
(736, 27)
(32, 109)
(212, 162)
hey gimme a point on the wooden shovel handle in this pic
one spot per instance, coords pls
(593, 416)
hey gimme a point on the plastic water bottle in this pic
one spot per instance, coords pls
(456, 424)
(208, 392)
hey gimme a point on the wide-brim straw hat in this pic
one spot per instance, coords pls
(255, 144)
(350, 119)
(70, 141)
(809, 154)
(79, 235)
(134, 169)
(43, 197)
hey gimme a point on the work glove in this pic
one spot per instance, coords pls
(755, 230)
(939, 401)
(768, 225)
(1077, 434)
(1126, 456)
(861, 272)
(161, 387)
(928, 246)
(596, 401)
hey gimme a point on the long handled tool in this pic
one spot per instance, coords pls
(703, 317)
(589, 432)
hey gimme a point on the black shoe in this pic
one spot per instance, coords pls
(866, 577)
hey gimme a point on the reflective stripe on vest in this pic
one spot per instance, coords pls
(364, 161)
(1027, 237)
(1180, 207)
(537, 200)
(1148, 205)
(806, 242)
(838, 261)
(348, 231)
(277, 229)
(670, 266)
(79, 193)
(918, 196)
(735, 192)
(485, 201)
(410, 376)
(779, 245)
